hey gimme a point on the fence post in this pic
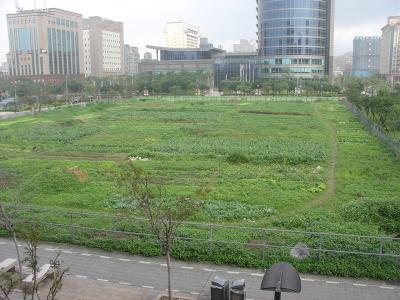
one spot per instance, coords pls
(114, 223)
(264, 237)
(321, 241)
(210, 239)
(381, 245)
(71, 217)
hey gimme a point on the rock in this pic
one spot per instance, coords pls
(300, 251)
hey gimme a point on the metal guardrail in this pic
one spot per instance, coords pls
(386, 247)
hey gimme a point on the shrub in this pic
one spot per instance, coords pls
(382, 212)
(237, 158)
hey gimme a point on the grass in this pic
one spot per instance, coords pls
(304, 165)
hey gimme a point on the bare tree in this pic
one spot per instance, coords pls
(32, 260)
(6, 286)
(8, 225)
(164, 214)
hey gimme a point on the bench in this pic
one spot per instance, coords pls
(44, 272)
(8, 265)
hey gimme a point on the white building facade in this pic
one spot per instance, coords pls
(182, 35)
(103, 47)
(390, 50)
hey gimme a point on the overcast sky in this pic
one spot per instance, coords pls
(224, 22)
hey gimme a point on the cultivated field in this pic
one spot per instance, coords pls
(304, 165)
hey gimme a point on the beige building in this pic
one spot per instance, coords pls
(390, 50)
(182, 35)
(103, 42)
(45, 44)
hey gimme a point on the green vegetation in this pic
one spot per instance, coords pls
(303, 165)
(380, 104)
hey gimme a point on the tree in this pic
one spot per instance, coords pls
(8, 225)
(32, 260)
(164, 214)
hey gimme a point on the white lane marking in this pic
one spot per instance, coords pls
(386, 287)
(124, 283)
(18, 291)
(231, 272)
(194, 293)
(68, 252)
(257, 274)
(50, 249)
(332, 282)
(144, 262)
(175, 291)
(105, 257)
(209, 270)
(124, 259)
(81, 276)
(187, 268)
(163, 265)
(3, 243)
(19, 245)
(147, 287)
(307, 279)
(86, 254)
(104, 280)
(359, 284)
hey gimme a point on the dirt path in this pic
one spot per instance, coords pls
(330, 191)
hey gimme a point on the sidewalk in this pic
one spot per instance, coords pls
(118, 271)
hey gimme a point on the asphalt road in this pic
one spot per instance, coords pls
(195, 278)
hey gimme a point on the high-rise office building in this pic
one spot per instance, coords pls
(103, 47)
(366, 56)
(45, 44)
(390, 50)
(132, 60)
(295, 37)
(244, 46)
(182, 35)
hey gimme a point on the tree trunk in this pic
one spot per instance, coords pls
(169, 274)
(17, 250)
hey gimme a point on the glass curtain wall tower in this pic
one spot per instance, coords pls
(295, 38)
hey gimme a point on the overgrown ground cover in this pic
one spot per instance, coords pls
(304, 165)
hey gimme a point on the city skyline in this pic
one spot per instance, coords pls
(139, 31)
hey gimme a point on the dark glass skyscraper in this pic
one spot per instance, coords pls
(295, 37)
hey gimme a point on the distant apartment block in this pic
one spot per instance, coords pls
(148, 56)
(366, 56)
(132, 60)
(4, 70)
(244, 46)
(182, 35)
(45, 44)
(343, 64)
(205, 44)
(103, 47)
(390, 50)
